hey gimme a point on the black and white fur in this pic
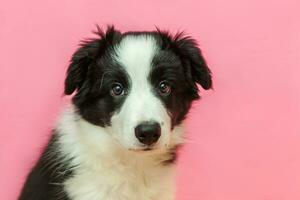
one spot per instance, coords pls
(119, 81)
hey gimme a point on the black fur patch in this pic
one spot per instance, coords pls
(171, 155)
(182, 70)
(91, 73)
(46, 178)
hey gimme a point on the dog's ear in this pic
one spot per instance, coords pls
(189, 52)
(192, 56)
(88, 53)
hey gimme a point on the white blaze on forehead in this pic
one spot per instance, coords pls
(135, 54)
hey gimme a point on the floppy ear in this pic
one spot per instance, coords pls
(85, 56)
(190, 52)
(78, 68)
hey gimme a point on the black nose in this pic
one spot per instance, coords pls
(148, 132)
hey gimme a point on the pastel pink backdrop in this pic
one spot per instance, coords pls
(244, 135)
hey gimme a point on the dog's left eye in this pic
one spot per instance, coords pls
(164, 88)
(117, 89)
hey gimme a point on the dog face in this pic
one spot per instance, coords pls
(139, 86)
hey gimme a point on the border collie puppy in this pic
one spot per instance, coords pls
(118, 138)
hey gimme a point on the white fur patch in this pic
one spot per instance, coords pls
(105, 170)
(135, 54)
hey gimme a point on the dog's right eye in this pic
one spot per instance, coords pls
(164, 88)
(117, 89)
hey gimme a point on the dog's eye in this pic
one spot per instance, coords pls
(117, 89)
(164, 88)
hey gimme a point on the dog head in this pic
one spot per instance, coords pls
(139, 86)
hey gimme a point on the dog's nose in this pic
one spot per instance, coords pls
(148, 132)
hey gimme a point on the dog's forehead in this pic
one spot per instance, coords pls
(135, 53)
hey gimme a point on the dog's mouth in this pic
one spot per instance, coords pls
(148, 149)
(140, 148)
(144, 149)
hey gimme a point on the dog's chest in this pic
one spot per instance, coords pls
(121, 184)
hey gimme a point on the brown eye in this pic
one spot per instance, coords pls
(117, 89)
(164, 88)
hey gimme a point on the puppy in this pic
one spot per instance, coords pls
(118, 138)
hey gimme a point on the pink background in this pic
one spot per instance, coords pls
(244, 136)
